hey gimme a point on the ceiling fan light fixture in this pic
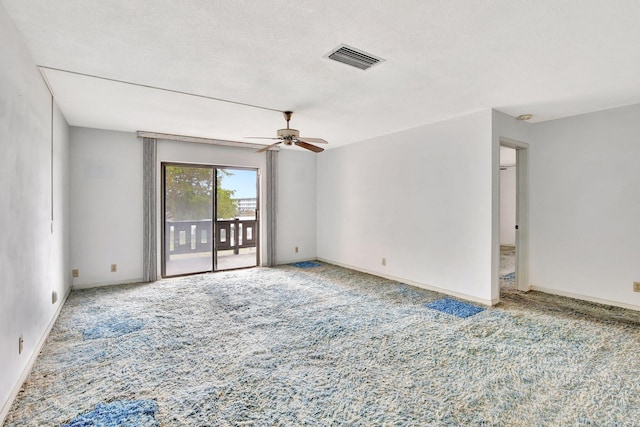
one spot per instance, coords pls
(290, 136)
(288, 133)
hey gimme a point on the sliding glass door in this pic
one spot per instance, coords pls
(206, 230)
(236, 218)
(188, 210)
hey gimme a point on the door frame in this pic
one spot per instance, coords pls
(214, 257)
(215, 216)
(522, 211)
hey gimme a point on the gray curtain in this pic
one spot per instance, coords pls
(272, 204)
(150, 246)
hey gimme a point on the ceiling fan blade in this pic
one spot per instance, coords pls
(316, 140)
(309, 146)
(259, 137)
(262, 150)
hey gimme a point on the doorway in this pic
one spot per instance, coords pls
(514, 219)
(206, 230)
(508, 192)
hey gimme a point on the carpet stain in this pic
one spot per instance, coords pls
(306, 264)
(140, 413)
(455, 308)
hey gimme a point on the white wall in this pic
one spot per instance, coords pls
(106, 184)
(508, 206)
(33, 259)
(106, 206)
(421, 198)
(107, 212)
(585, 206)
(296, 215)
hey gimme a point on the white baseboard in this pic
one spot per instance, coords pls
(32, 360)
(471, 298)
(291, 261)
(585, 298)
(100, 284)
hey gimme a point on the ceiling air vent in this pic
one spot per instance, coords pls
(354, 57)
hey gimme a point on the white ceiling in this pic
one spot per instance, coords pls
(550, 58)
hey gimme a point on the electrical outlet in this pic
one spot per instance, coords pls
(636, 286)
(384, 261)
(75, 272)
(114, 268)
(296, 249)
(54, 297)
(20, 344)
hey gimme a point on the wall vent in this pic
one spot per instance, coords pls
(354, 57)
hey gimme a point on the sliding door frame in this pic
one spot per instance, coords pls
(257, 215)
(214, 231)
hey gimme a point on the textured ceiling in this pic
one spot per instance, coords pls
(550, 58)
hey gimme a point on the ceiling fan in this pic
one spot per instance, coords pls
(290, 136)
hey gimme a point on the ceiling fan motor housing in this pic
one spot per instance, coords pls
(288, 135)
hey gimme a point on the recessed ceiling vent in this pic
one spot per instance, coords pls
(354, 57)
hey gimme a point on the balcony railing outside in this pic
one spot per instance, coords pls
(190, 237)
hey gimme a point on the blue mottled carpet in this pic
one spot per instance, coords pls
(140, 413)
(455, 308)
(329, 346)
(306, 264)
